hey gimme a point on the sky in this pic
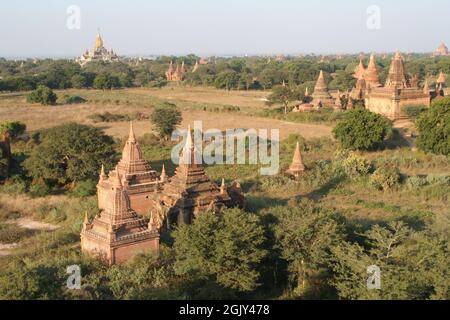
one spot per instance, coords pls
(30, 28)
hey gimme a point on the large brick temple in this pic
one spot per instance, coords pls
(133, 192)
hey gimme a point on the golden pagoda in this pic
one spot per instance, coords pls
(98, 53)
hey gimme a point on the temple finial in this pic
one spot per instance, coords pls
(131, 135)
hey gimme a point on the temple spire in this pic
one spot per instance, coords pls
(131, 135)
(426, 87)
(222, 187)
(163, 176)
(297, 166)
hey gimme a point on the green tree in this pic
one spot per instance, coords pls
(282, 95)
(165, 118)
(305, 235)
(228, 80)
(434, 128)
(14, 128)
(78, 81)
(70, 153)
(43, 95)
(362, 130)
(226, 248)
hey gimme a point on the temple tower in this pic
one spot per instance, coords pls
(396, 77)
(321, 96)
(117, 233)
(297, 166)
(371, 74)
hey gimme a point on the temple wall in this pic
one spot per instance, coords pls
(125, 252)
(141, 203)
(385, 106)
(96, 247)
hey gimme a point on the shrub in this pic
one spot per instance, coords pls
(10, 233)
(415, 111)
(84, 188)
(74, 100)
(362, 130)
(434, 128)
(385, 177)
(43, 95)
(14, 185)
(415, 182)
(39, 190)
(355, 166)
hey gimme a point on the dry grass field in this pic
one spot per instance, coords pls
(192, 102)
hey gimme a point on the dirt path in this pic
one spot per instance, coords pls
(6, 249)
(31, 224)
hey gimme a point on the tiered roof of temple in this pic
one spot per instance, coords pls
(442, 50)
(98, 53)
(190, 191)
(297, 166)
(176, 74)
(371, 74)
(397, 93)
(321, 96)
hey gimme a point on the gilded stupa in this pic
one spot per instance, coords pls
(98, 53)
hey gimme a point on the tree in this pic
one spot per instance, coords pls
(281, 95)
(69, 153)
(228, 80)
(413, 265)
(106, 81)
(305, 235)
(226, 248)
(14, 128)
(362, 130)
(434, 128)
(43, 95)
(165, 118)
(78, 81)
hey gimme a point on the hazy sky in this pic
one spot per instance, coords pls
(38, 27)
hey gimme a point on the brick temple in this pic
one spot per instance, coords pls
(190, 192)
(397, 93)
(176, 74)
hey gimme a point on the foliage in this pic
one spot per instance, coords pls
(385, 177)
(415, 111)
(354, 165)
(305, 235)
(74, 100)
(84, 188)
(68, 153)
(165, 118)
(282, 95)
(14, 128)
(43, 95)
(434, 128)
(362, 130)
(223, 247)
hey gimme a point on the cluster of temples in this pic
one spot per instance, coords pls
(178, 73)
(390, 100)
(136, 204)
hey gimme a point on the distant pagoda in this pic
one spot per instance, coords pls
(442, 50)
(98, 53)
(297, 166)
(321, 96)
(371, 75)
(359, 70)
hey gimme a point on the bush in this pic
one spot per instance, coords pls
(385, 177)
(416, 182)
(10, 233)
(39, 190)
(355, 166)
(362, 130)
(434, 128)
(415, 111)
(84, 188)
(14, 185)
(43, 95)
(74, 100)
